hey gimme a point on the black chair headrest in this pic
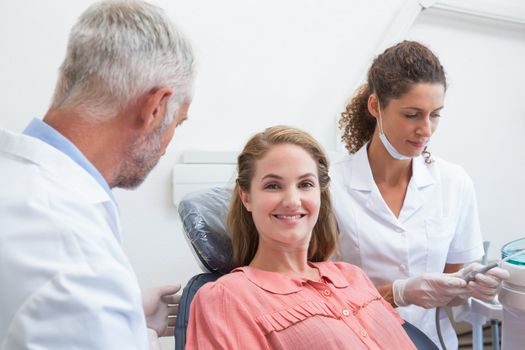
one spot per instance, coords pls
(203, 214)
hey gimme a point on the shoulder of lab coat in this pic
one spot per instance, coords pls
(70, 283)
(467, 244)
(53, 165)
(352, 172)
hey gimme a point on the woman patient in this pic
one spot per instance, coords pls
(285, 295)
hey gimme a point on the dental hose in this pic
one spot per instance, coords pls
(438, 329)
(470, 277)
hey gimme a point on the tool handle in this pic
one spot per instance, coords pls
(472, 274)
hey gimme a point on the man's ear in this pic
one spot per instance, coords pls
(373, 105)
(155, 107)
(245, 199)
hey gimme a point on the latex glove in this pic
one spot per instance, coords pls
(429, 290)
(486, 286)
(459, 300)
(153, 340)
(161, 305)
(462, 298)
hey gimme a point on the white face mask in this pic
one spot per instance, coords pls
(388, 146)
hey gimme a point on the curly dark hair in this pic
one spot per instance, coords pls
(390, 76)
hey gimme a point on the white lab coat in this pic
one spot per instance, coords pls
(65, 281)
(438, 224)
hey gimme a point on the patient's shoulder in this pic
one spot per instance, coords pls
(227, 284)
(230, 292)
(349, 272)
(233, 280)
(340, 266)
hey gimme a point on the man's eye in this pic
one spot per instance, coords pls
(411, 116)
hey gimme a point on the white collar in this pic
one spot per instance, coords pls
(363, 180)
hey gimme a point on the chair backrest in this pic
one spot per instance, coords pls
(420, 339)
(183, 314)
(203, 215)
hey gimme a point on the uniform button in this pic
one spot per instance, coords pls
(398, 229)
(364, 334)
(346, 312)
(326, 292)
(402, 267)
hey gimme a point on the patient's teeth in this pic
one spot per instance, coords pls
(289, 217)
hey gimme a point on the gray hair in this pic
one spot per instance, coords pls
(117, 52)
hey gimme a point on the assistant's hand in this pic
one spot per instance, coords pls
(161, 305)
(429, 290)
(486, 286)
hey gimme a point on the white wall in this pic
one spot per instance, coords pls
(287, 62)
(259, 63)
(483, 124)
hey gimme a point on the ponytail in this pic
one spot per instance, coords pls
(356, 122)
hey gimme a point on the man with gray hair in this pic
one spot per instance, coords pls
(123, 88)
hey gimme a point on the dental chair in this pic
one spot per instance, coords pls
(203, 216)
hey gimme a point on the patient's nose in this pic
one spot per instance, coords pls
(292, 199)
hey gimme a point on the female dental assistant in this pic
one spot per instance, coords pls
(409, 220)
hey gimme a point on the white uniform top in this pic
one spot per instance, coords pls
(65, 281)
(438, 224)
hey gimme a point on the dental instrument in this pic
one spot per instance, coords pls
(472, 274)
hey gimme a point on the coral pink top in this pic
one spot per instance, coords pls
(255, 309)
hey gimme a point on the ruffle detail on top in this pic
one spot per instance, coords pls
(357, 307)
(379, 329)
(371, 302)
(277, 321)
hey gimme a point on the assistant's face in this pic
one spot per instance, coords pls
(284, 197)
(145, 153)
(410, 121)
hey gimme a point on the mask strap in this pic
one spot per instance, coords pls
(379, 118)
(384, 140)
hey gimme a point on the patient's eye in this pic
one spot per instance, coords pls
(307, 184)
(271, 186)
